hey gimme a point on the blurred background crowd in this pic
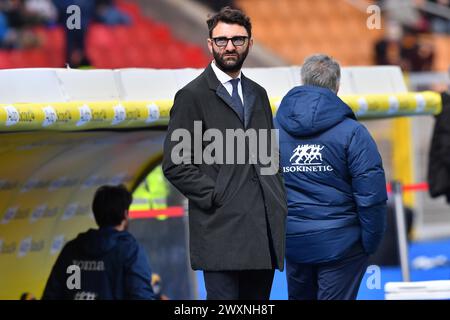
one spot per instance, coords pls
(119, 33)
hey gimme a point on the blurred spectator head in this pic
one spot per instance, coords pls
(27, 296)
(108, 13)
(43, 10)
(394, 31)
(409, 37)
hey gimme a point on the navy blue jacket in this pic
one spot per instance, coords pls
(334, 177)
(113, 266)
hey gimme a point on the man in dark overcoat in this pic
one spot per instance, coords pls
(237, 208)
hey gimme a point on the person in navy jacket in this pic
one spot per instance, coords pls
(112, 265)
(335, 185)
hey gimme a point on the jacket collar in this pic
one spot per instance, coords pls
(222, 76)
(248, 92)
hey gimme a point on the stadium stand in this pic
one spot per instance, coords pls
(144, 43)
(296, 33)
(299, 28)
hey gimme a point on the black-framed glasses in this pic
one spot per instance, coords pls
(223, 41)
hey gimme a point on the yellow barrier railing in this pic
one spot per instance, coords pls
(76, 116)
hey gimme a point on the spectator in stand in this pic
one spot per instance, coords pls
(387, 49)
(103, 11)
(4, 29)
(438, 24)
(416, 55)
(42, 11)
(426, 54)
(108, 13)
(76, 38)
(15, 26)
(403, 11)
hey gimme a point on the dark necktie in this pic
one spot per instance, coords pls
(237, 102)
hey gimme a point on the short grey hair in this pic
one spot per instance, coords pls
(322, 71)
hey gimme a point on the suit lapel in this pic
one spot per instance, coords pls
(225, 96)
(215, 85)
(249, 99)
(222, 93)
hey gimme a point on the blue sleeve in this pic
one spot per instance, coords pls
(138, 276)
(368, 187)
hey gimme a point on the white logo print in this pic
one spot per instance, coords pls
(25, 246)
(306, 154)
(70, 211)
(50, 116)
(85, 115)
(153, 113)
(57, 244)
(9, 215)
(38, 213)
(119, 114)
(307, 158)
(12, 116)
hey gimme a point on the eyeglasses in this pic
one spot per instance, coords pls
(223, 41)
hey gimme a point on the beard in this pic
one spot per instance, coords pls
(230, 64)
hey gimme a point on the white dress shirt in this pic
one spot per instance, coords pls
(224, 79)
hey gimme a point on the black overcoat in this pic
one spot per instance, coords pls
(232, 207)
(439, 155)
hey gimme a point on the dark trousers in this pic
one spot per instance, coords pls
(238, 285)
(337, 280)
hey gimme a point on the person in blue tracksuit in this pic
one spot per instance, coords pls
(111, 263)
(336, 187)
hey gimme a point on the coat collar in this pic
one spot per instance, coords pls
(248, 92)
(222, 76)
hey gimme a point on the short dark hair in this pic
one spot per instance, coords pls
(230, 16)
(110, 204)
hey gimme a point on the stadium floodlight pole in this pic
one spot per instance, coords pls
(401, 230)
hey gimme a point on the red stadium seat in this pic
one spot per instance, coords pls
(122, 35)
(18, 59)
(36, 58)
(195, 57)
(145, 43)
(156, 57)
(55, 37)
(100, 36)
(5, 61)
